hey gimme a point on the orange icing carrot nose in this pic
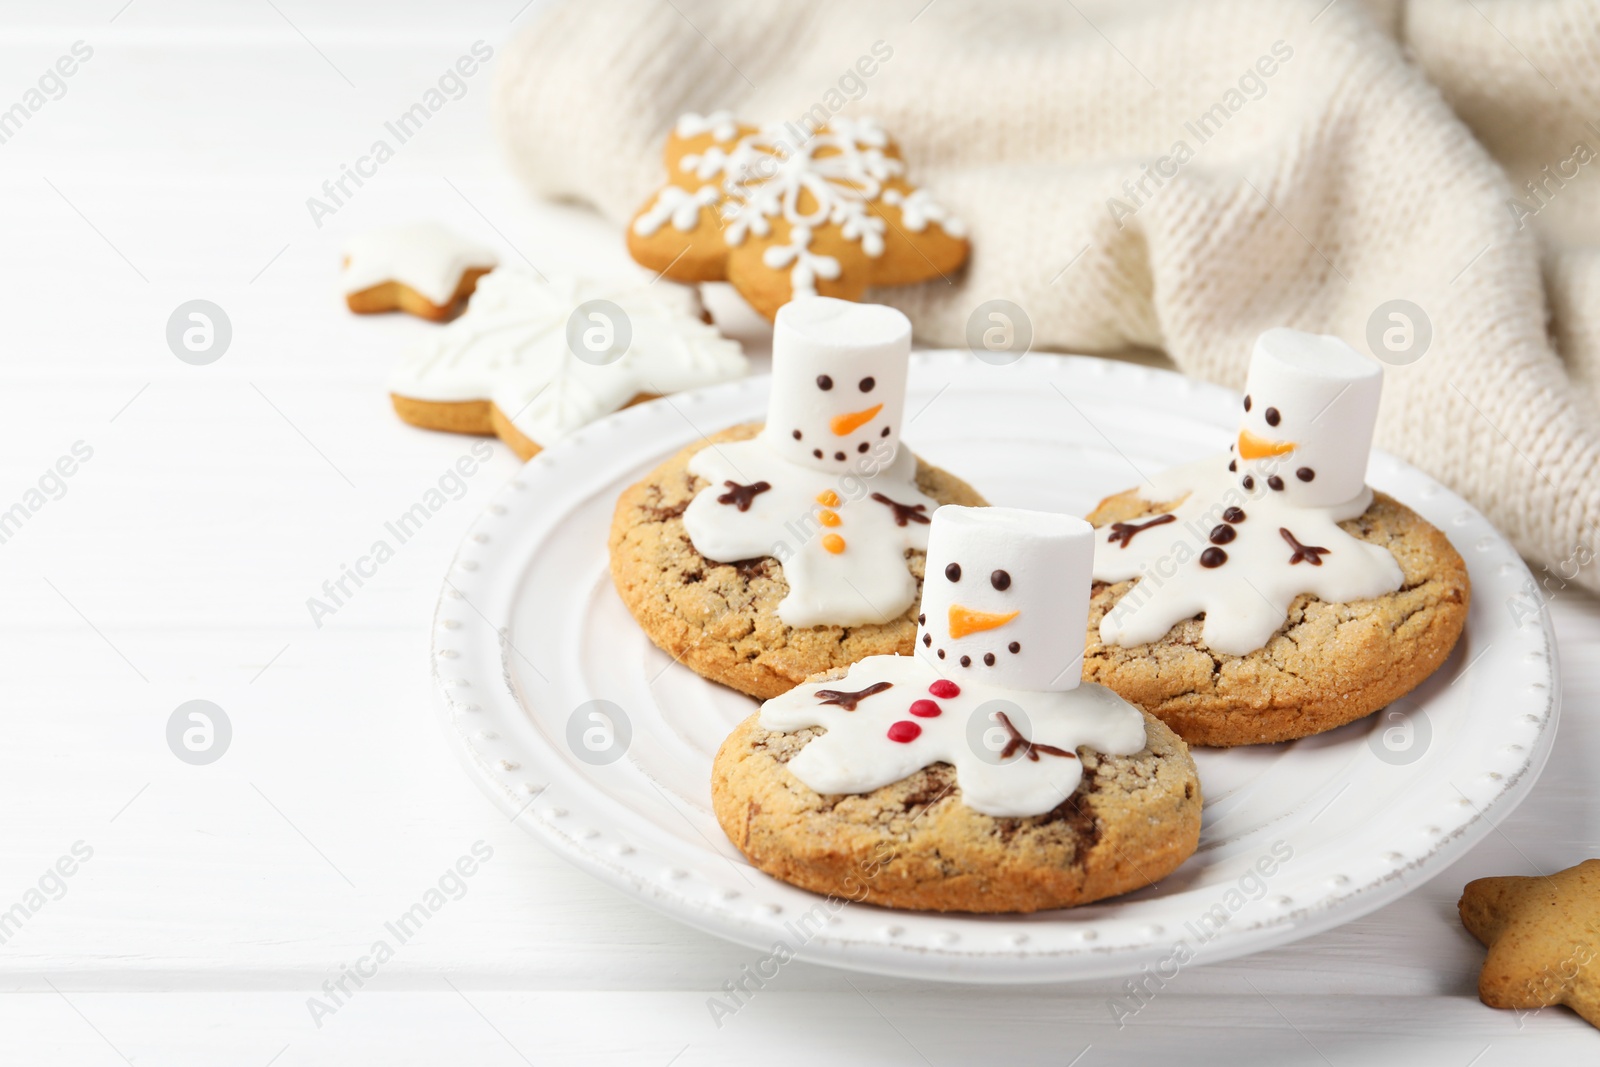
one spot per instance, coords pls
(1253, 447)
(964, 621)
(845, 424)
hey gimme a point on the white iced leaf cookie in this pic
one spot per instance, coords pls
(1009, 722)
(825, 488)
(512, 350)
(426, 258)
(1260, 527)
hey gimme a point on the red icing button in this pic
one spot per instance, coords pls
(926, 709)
(904, 732)
(945, 688)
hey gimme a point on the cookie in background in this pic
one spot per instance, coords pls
(421, 268)
(536, 358)
(785, 213)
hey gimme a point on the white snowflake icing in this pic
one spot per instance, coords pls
(677, 205)
(765, 174)
(807, 267)
(920, 208)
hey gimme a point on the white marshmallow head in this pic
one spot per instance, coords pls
(1310, 405)
(838, 383)
(1005, 599)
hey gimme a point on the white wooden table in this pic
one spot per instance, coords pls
(175, 564)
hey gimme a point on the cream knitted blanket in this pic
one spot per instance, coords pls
(1183, 177)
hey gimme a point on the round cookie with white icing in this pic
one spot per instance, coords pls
(1269, 594)
(996, 782)
(424, 269)
(781, 212)
(763, 555)
(507, 366)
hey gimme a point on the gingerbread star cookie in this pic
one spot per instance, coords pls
(534, 359)
(1543, 936)
(782, 213)
(424, 269)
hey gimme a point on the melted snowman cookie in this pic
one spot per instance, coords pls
(1015, 745)
(1268, 593)
(822, 503)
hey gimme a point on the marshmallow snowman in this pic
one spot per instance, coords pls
(824, 488)
(838, 382)
(1256, 529)
(1000, 589)
(995, 689)
(1310, 405)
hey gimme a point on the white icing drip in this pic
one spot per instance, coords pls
(858, 755)
(510, 347)
(920, 208)
(720, 124)
(808, 265)
(424, 256)
(679, 206)
(867, 582)
(1247, 598)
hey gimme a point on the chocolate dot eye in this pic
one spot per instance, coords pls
(1247, 402)
(953, 572)
(1273, 418)
(824, 382)
(797, 435)
(1000, 580)
(867, 384)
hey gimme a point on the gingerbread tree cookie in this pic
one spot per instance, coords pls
(782, 214)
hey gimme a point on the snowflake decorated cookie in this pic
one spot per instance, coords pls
(533, 359)
(1267, 593)
(981, 773)
(423, 268)
(782, 213)
(761, 556)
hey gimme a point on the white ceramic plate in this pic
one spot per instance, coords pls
(529, 633)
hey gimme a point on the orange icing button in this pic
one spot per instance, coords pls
(833, 543)
(828, 498)
(964, 621)
(844, 424)
(829, 517)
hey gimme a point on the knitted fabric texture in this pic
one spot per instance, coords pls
(1183, 177)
